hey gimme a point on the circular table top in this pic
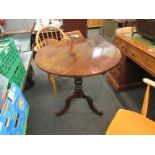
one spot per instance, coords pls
(78, 58)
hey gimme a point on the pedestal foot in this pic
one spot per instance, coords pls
(91, 105)
(78, 93)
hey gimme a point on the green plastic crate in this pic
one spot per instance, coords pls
(11, 64)
(18, 75)
(9, 57)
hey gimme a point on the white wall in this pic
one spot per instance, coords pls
(18, 24)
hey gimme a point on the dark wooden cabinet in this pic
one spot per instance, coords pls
(75, 24)
(68, 25)
(137, 61)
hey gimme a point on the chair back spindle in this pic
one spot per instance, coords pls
(48, 34)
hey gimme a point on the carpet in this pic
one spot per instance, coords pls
(79, 120)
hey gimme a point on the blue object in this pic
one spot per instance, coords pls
(13, 117)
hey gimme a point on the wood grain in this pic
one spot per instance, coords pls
(77, 58)
(94, 23)
(138, 60)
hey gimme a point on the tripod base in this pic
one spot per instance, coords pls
(78, 93)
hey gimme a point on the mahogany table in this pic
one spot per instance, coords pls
(78, 58)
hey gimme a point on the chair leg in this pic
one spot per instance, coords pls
(54, 83)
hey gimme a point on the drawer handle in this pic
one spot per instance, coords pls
(123, 47)
(133, 53)
(119, 67)
(144, 59)
(117, 43)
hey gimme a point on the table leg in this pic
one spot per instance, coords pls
(78, 93)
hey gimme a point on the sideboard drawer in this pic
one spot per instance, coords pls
(117, 71)
(143, 59)
(122, 45)
(137, 63)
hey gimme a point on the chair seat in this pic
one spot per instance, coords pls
(131, 123)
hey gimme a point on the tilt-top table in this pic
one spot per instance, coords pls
(78, 59)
